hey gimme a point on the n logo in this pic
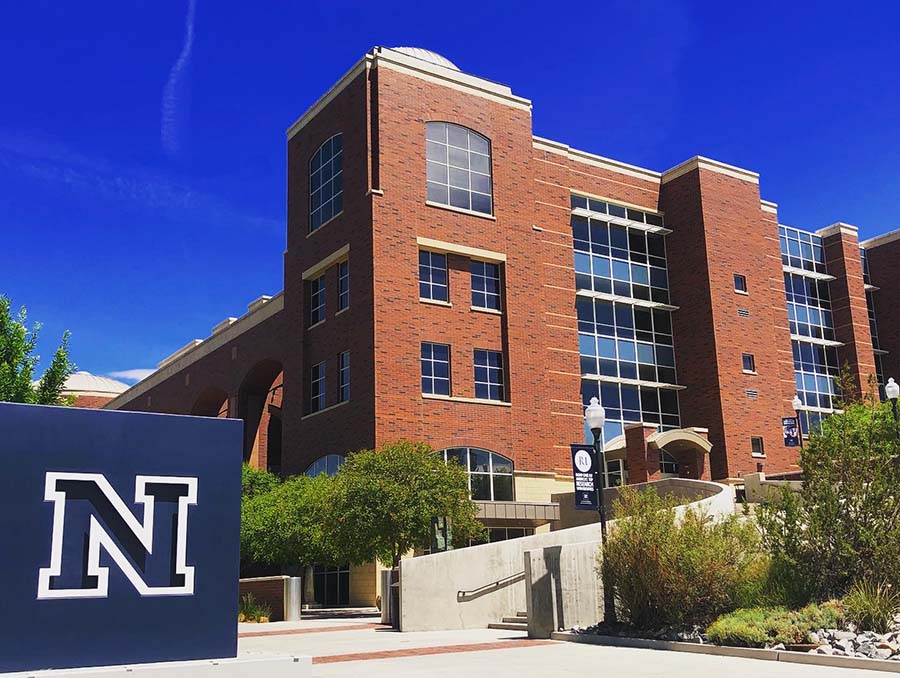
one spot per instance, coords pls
(127, 540)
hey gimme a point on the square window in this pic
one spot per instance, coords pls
(740, 283)
(435, 369)
(749, 362)
(489, 381)
(485, 285)
(433, 276)
(757, 448)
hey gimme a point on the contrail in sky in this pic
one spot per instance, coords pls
(169, 132)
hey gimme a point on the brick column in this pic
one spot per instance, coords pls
(884, 266)
(848, 301)
(642, 467)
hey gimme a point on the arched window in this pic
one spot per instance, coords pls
(490, 474)
(326, 182)
(667, 463)
(329, 465)
(458, 167)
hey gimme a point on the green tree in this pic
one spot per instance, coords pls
(256, 481)
(383, 502)
(283, 525)
(844, 524)
(18, 362)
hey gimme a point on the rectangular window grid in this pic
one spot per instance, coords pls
(316, 388)
(626, 404)
(800, 249)
(326, 183)
(344, 377)
(815, 369)
(433, 276)
(740, 282)
(343, 285)
(749, 362)
(873, 326)
(613, 210)
(809, 307)
(617, 260)
(620, 340)
(864, 257)
(317, 300)
(458, 167)
(435, 369)
(489, 375)
(485, 285)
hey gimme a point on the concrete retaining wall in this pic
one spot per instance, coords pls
(759, 488)
(472, 587)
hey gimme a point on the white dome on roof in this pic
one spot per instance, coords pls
(427, 55)
(86, 383)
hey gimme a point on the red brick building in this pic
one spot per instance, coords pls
(450, 277)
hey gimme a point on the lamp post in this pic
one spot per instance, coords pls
(595, 417)
(892, 391)
(796, 403)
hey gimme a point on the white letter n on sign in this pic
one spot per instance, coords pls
(58, 488)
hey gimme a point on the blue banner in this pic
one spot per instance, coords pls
(791, 430)
(584, 469)
(120, 535)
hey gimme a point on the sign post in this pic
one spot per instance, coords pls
(584, 469)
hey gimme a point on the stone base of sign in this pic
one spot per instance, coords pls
(272, 666)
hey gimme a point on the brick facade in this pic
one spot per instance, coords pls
(258, 369)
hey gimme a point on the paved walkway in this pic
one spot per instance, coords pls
(356, 647)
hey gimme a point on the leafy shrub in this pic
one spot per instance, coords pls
(249, 609)
(256, 481)
(872, 606)
(669, 571)
(765, 626)
(842, 526)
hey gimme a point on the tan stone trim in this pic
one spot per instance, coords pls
(453, 248)
(839, 227)
(699, 162)
(320, 267)
(595, 160)
(460, 210)
(878, 240)
(471, 401)
(768, 206)
(324, 409)
(435, 302)
(200, 348)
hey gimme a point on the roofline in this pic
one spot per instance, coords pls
(701, 162)
(595, 160)
(768, 206)
(838, 227)
(419, 68)
(879, 240)
(198, 349)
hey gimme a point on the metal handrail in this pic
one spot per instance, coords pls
(493, 585)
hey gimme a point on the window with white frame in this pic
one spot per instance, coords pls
(489, 375)
(458, 167)
(748, 362)
(435, 369)
(316, 388)
(326, 183)
(490, 474)
(316, 299)
(344, 377)
(485, 285)
(343, 285)
(757, 447)
(433, 276)
(740, 282)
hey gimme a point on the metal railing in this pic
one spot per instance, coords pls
(493, 586)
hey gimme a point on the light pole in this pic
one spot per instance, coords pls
(595, 417)
(892, 391)
(797, 404)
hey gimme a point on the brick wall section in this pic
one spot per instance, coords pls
(350, 427)
(267, 591)
(643, 464)
(91, 402)
(883, 270)
(848, 304)
(719, 230)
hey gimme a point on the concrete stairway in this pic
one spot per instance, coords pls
(517, 623)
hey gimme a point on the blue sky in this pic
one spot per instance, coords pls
(142, 149)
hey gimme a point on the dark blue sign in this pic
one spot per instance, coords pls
(120, 537)
(791, 432)
(584, 468)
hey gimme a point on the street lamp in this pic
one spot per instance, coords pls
(595, 417)
(797, 404)
(892, 391)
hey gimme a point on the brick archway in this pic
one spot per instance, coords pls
(259, 405)
(689, 447)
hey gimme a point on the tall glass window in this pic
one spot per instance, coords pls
(809, 307)
(316, 300)
(458, 167)
(326, 182)
(433, 276)
(485, 285)
(344, 377)
(489, 375)
(490, 474)
(800, 249)
(316, 388)
(343, 285)
(435, 369)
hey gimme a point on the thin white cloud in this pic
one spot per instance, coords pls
(173, 93)
(132, 375)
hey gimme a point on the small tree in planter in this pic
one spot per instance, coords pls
(383, 502)
(844, 524)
